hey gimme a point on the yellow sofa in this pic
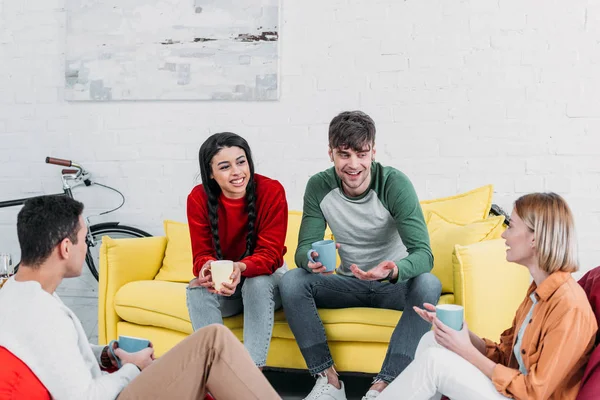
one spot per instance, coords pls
(142, 287)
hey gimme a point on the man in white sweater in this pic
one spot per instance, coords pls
(47, 336)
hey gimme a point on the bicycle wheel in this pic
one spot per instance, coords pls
(113, 230)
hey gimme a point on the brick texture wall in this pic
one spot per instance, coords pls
(464, 93)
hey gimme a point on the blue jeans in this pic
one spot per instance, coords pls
(303, 292)
(256, 297)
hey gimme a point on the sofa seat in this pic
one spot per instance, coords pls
(162, 304)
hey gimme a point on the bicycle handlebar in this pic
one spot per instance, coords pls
(59, 161)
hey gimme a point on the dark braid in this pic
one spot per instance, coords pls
(209, 148)
(251, 209)
(213, 217)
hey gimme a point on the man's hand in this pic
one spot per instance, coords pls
(141, 359)
(317, 267)
(375, 274)
(227, 289)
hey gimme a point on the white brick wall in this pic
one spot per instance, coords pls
(464, 93)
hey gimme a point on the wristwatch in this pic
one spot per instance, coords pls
(105, 360)
(390, 277)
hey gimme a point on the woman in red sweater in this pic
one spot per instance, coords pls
(240, 216)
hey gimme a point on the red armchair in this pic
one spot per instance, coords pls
(590, 387)
(17, 381)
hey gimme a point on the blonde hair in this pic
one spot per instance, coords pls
(550, 219)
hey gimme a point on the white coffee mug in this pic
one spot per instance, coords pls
(221, 271)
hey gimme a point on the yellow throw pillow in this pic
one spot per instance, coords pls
(445, 234)
(489, 287)
(464, 207)
(177, 264)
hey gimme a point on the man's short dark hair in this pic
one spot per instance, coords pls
(43, 223)
(352, 130)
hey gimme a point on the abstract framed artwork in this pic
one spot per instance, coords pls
(172, 50)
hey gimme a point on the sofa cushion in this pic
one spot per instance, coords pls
(444, 234)
(464, 207)
(156, 303)
(485, 275)
(163, 304)
(177, 264)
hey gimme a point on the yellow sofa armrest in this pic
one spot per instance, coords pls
(123, 261)
(488, 287)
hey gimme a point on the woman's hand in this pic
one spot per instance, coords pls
(428, 313)
(457, 341)
(204, 278)
(227, 289)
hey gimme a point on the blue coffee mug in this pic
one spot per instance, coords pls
(326, 254)
(451, 315)
(129, 344)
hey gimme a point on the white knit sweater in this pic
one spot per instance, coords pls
(47, 336)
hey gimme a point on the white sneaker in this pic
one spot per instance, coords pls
(371, 394)
(323, 390)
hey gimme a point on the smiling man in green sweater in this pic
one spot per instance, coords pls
(377, 221)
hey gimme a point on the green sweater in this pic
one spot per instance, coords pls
(384, 223)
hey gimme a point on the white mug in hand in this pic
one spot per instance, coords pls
(221, 272)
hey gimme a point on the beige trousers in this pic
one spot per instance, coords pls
(212, 359)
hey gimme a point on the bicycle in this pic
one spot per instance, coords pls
(73, 176)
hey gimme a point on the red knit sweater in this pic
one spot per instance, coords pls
(270, 228)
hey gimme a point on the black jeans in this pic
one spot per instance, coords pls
(303, 292)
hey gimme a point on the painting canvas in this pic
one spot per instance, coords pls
(172, 50)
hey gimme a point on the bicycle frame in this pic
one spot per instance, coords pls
(20, 202)
(71, 178)
(75, 175)
(78, 175)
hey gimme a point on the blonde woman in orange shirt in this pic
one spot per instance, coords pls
(543, 355)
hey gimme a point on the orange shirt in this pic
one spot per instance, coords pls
(556, 344)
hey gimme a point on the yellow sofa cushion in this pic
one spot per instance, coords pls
(464, 207)
(163, 304)
(444, 234)
(485, 276)
(158, 303)
(123, 261)
(177, 264)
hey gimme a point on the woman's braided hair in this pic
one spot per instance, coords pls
(208, 150)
